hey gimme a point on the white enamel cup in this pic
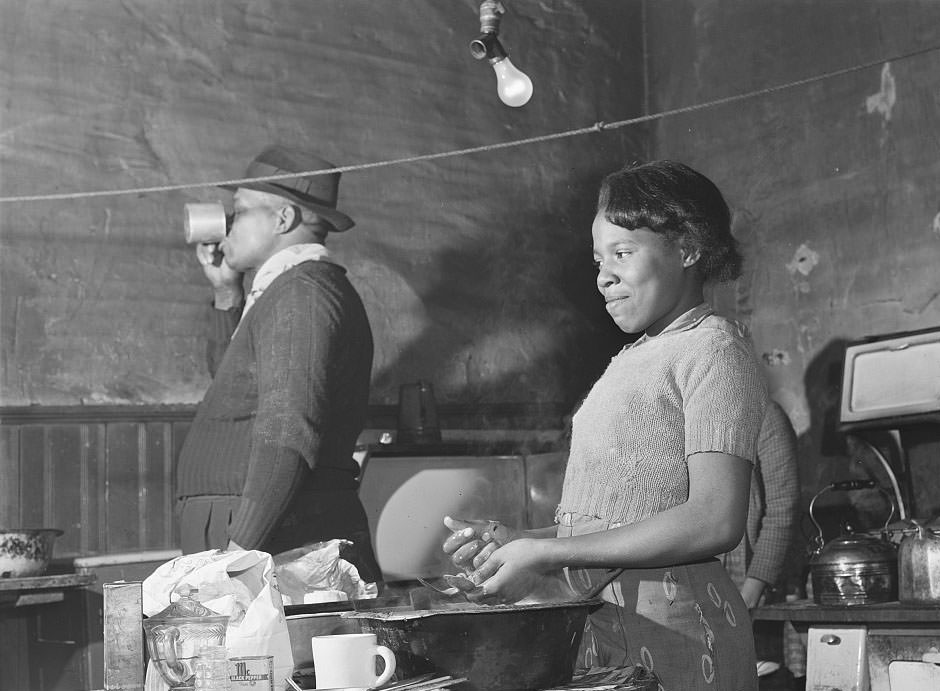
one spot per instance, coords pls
(347, 661)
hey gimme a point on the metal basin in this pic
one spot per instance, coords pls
(497, 647)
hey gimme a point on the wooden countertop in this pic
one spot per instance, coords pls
(38, 590)
(883, 612)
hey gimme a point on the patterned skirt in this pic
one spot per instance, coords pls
(687, 623)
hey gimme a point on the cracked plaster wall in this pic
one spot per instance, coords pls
(835, 187)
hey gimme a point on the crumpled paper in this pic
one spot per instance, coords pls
(206, 572)
(318, 573)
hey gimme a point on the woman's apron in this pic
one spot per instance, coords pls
(687, 624)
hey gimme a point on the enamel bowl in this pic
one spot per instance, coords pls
(26, 552)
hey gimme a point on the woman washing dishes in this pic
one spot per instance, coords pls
(658, 473)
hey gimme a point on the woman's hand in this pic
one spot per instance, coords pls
(514, 571)
(471, 542)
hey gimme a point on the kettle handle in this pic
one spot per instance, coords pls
(846, 486)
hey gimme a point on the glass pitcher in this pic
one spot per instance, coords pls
(175, 635)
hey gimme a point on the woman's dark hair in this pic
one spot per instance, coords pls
(673, 199)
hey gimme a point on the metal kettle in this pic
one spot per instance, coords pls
(854, 568)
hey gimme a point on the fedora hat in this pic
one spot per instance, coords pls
(316, 192)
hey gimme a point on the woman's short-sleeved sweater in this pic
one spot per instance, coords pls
(695, 387)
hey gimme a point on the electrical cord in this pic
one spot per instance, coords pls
(599, 126)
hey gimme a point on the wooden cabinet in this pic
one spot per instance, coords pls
(42, 633)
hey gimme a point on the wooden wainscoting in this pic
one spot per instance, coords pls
(102, 474)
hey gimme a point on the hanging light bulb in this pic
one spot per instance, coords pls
(513, 86)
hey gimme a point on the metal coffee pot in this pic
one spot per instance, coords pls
(175, 635)
(919, 565)
(854, 568)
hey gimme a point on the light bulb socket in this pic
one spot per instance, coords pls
(486, 46)
(491, 11)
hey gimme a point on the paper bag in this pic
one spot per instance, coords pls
(239, 584)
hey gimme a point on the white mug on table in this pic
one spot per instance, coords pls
(347, 661)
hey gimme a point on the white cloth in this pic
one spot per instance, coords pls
(280, 262)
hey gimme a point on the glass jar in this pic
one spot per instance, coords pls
(176, 634)
(212, 669)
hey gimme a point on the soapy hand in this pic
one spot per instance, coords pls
(512, 573)
(520, 572)
(471, 542)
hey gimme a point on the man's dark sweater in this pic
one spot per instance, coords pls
(286, 404)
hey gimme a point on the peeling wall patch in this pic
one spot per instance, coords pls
(936, 225)
(776, 358)
(804, 260)
(884, 100)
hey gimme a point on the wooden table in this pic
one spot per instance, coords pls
(857, 642)
(39, 590)
(806, 611)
